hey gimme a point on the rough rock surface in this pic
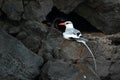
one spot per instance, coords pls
(23, 20)
(52, 40)
(103, 14)
(13, 9)
(32, 33)
(59, 70)
(69, 51)
(114, 69)
(16, 61)
(67, 5)
(104, 48)
(37, 10)
(1, 1)
(0, 13)
(64, 72)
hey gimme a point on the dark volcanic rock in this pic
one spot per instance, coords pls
(22, 35)
(103, 14)
(102, 52)
(13, 9)
(115, 71)
(59, 71)
(16, 61)
(52, 40)
(115, 66)
(107, 55)
(32, 34)
(1, 1)
(0, 13)
(70, 50)
(65, 60)
(37, 10)
(14, 30)
(10, 28)
(6, 26)
(67, 5)
(55, 47)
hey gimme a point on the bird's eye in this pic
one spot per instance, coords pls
(67, 23)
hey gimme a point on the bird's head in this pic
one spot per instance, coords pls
(67, 24)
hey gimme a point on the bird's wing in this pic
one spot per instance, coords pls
(76, 32)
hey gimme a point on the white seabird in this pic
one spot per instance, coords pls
(71, 32)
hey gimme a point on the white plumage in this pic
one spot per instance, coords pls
(70, 31)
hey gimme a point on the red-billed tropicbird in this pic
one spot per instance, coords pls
(71, 32)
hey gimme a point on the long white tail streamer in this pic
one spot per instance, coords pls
(82, 41)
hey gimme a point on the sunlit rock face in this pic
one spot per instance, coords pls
(103, 14)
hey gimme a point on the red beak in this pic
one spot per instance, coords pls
(62, 24)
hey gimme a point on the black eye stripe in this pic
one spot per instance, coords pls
(67, 23)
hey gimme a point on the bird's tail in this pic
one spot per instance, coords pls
(83, 40)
